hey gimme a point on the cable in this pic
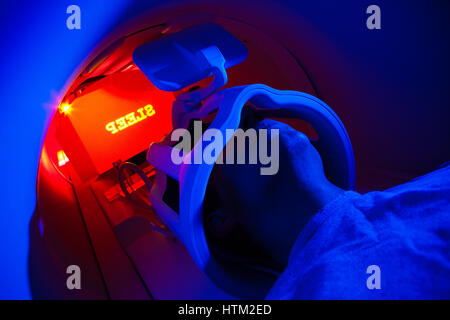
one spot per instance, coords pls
(122, 180)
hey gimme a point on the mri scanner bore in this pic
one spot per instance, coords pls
(221, 231)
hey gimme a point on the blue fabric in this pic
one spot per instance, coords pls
(404, 230)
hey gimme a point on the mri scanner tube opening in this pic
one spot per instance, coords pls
(225, 151)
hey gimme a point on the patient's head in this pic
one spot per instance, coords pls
(270, 209)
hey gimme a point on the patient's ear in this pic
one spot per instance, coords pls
(220, 225)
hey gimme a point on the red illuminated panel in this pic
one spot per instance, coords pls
(119, 118)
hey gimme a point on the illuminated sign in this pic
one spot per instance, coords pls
(130, 119)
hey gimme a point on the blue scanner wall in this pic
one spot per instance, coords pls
(39, 54)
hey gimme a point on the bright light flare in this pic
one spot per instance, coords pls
(65, 108)
(62, 158)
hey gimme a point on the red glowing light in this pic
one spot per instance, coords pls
(115, 120)
(64, 108)
(62, 158)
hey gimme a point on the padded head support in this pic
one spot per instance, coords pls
(334, 146)
(174, 62)
(178, 60)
